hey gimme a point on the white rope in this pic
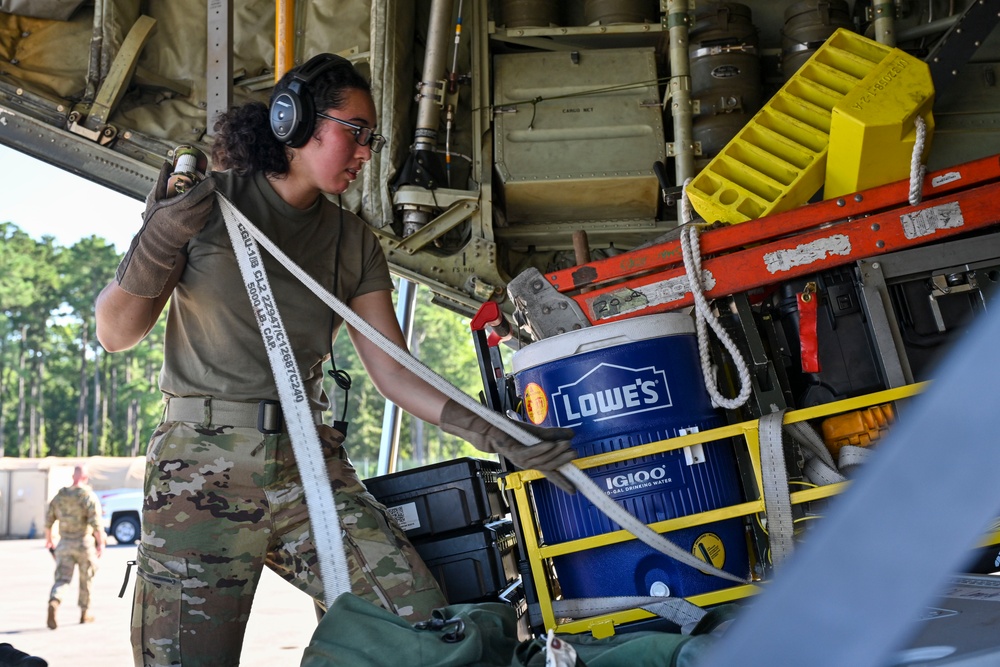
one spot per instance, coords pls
(687, 212)
(917, 169)
(705, 318)
(578, 477)
(295, 408)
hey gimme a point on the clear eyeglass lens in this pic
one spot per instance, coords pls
(366, 137)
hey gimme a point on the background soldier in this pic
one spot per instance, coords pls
(76, 508)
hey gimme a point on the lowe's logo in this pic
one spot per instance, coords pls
(609, 391)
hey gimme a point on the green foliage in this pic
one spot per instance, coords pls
(443, 342)
(48, 349)
(56, 380)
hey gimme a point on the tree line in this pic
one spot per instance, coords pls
(62, 394)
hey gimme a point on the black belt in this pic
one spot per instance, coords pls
(264, 415)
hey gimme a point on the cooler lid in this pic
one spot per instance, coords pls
(598, 337)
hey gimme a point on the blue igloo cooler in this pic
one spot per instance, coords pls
(618, 385)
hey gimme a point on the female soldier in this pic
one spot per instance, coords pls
(223, 493)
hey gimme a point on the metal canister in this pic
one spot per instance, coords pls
(807, 25)
(529, 13)
(607, 12)
(190, 166)
(725, 75)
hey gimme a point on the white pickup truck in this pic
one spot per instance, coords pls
(121, 510)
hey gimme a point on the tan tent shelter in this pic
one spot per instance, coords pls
(27, 485)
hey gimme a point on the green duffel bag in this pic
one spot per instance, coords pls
(356, 633)
(636, 649)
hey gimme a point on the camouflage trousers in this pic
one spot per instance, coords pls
(222, 502)
(72, 553)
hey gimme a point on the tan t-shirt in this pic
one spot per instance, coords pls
(213, 346)
(75, 508)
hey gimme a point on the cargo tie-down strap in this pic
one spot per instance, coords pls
(819, 469)
(774, 483)
(305, 443)
(676, 610)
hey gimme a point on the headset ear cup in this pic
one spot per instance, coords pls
(292, 117)
(292, 112)
(284, 115)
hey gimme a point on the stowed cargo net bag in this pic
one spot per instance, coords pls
(355, 632)
(59, 10)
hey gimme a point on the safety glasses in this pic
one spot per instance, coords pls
(365, 136)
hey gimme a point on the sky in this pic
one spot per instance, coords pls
(45, 200)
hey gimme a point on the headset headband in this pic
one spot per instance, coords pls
(293, 113)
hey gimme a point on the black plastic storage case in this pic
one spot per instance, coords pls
(475, 564)
(434, 500)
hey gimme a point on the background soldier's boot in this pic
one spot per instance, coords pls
(53, 606)
(84, 616)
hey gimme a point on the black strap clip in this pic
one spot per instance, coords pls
(128, 571)
(453, 628)
(269, 420)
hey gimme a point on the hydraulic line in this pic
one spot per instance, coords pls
(284, 37)
(679, 19)
(428, 93)
(885, 20)
(452, 89)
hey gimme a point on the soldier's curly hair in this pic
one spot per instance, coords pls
(244, 142)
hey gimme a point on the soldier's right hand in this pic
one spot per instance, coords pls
(188, 212)
(167, 225)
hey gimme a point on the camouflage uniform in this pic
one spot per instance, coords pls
(76, 508)
(221, 502)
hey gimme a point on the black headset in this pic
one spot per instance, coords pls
(293, 111)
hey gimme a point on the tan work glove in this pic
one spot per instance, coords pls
(167, 225)
(552, 452)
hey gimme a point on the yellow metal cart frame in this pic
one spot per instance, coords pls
(745, 432)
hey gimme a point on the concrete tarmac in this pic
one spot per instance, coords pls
(280, 626)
